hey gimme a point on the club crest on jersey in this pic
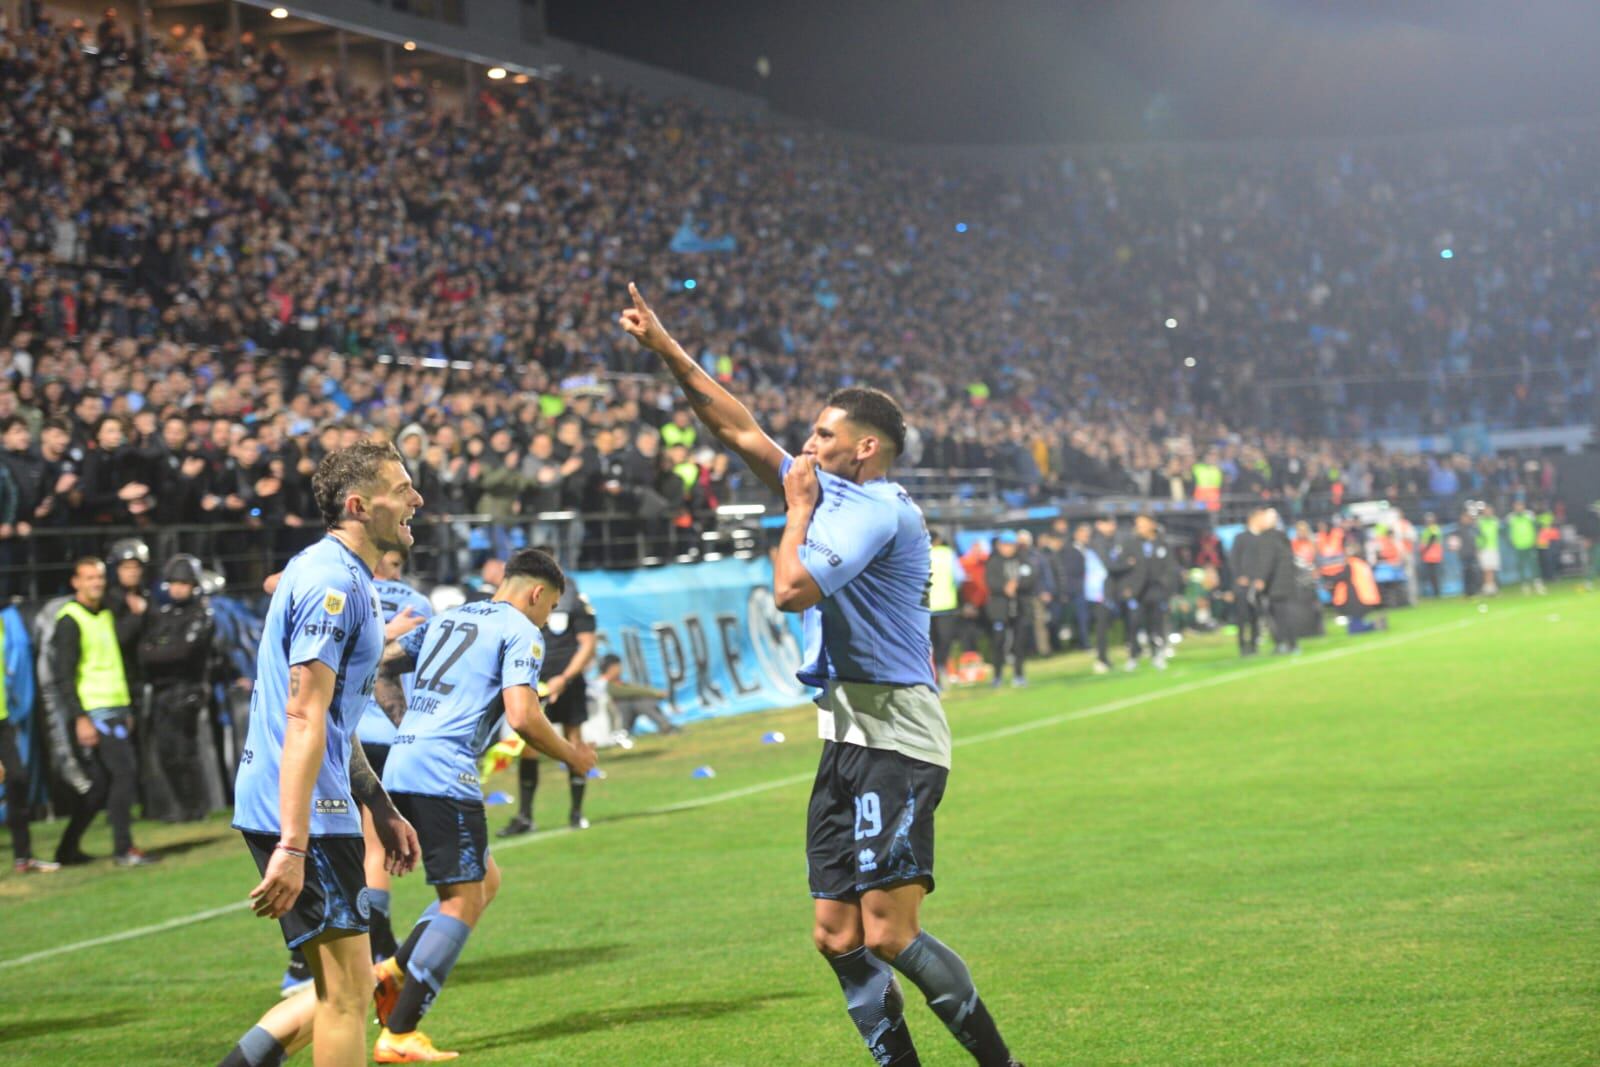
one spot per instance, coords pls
(536, 648)
(333, 602)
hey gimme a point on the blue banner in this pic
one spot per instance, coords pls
(708, 634)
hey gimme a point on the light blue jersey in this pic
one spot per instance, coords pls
(465, 659)
(325, 610)
(867, 550)
(393, 597)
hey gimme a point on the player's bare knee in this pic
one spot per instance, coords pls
(835, 941)
(348, 992)
(888, 940)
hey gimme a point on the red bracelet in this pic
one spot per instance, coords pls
(291, 850)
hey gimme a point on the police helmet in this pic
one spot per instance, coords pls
(182, 568)
(128, 548)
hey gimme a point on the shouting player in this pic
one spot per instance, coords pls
(301, 774)
(854, 558)
(473, 664)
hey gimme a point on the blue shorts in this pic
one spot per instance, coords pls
(334, 896)
(870, 822)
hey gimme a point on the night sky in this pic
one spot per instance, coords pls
(1005, 71)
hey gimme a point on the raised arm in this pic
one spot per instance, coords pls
(724, 416)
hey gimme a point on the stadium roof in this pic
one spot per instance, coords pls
(1005, 71)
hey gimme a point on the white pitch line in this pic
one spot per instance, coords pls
(126, 935)
(733, 794)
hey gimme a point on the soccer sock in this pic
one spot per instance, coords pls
(379, 924)
(402, 956)
(527, 783)
(876, 1006)
(255, 1049)
(426, 971)
(576, 783)
(946, 982)
(379, 899)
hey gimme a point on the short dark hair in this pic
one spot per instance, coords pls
(873, 408)
(87, 561)
(609, 660)
(56, 422)
(347, 470)
(539, 565)
(10, 421)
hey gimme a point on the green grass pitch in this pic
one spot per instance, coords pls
(1380, 852)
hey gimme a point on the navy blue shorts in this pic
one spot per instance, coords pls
(870, 822)
(334, 896)
(454, 835)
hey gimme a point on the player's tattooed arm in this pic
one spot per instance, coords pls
(401, 850)
(390, 697)
(723, 415)
(296, 673)
(365, 785)
(692, 388)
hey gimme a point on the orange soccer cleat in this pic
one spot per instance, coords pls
(386, 989)
(408, 1048)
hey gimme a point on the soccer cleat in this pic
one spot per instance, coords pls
(1019, 682)
(1101, 667)
(35, 866)
(518, 826)
(1131, 666)
(388, 978)
(75, 858)
(578, 822)
(135, 858)
(295, 978)
(408, 1048)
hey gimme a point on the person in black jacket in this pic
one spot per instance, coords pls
(1012, 582)
(1275, 564)
(128, 597)
(175, 650)
(1119, 551)
(1242, 564)
(1147, 585)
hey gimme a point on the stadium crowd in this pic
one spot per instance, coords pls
(215, 266)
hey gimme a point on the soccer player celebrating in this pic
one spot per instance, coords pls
(301, 773)
(473, 664)
(854, 558)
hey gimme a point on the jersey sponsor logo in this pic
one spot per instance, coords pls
(833, 558)
(330, 806)
(333, 602)
(323, 628)
(405, 739)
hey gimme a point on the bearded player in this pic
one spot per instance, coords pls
(854, 559)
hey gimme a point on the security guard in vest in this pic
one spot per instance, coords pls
(92, 692)
(176, 652)
(1430, 543)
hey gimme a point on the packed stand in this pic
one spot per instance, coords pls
(214, 267)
